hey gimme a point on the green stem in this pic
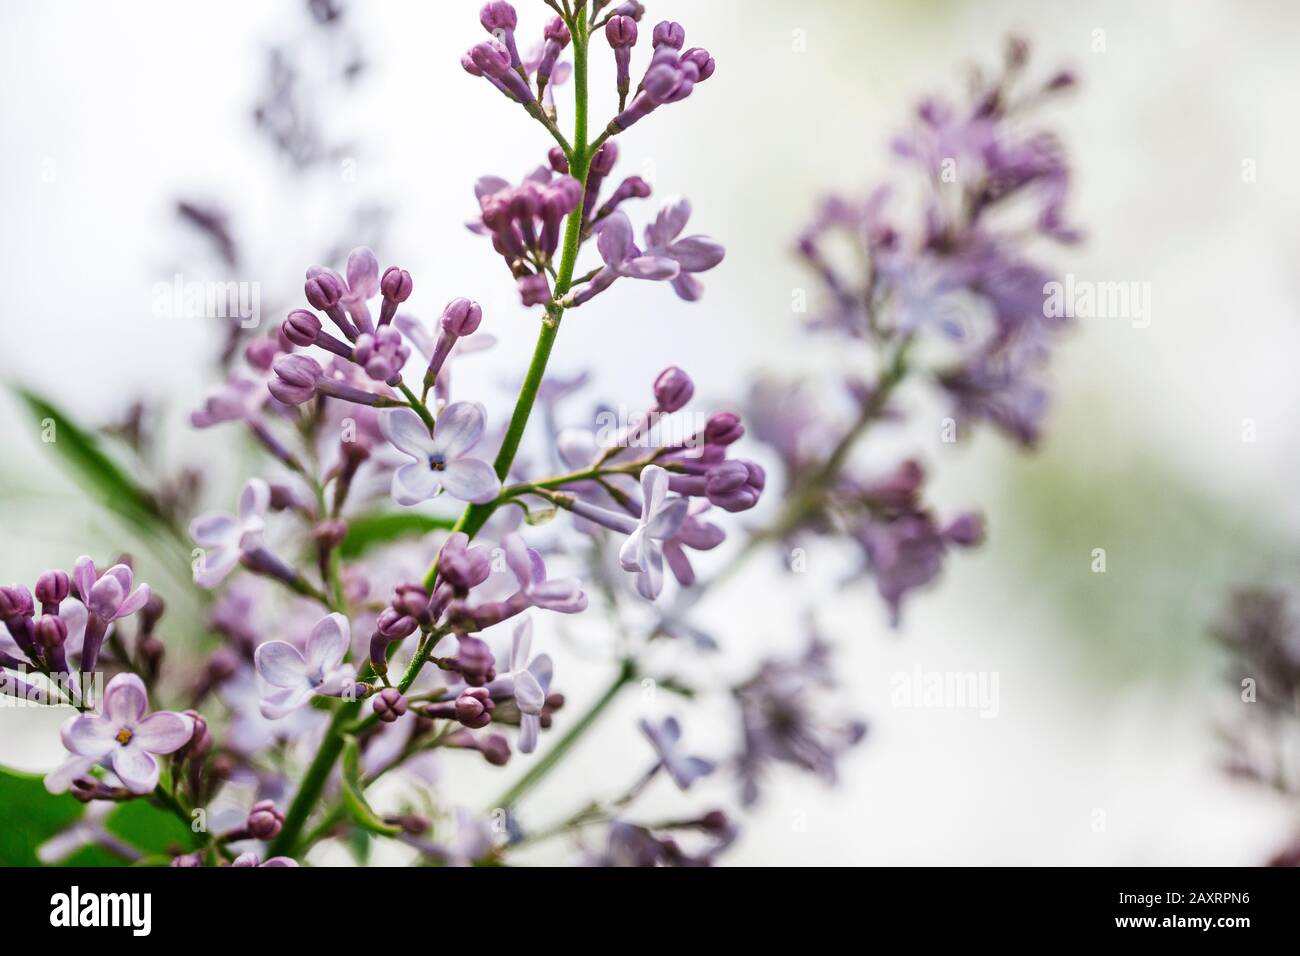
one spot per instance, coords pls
(313, 782)
(418, 405)
(626, 674)
(472, 519)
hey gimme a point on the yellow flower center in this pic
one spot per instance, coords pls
(124, 736)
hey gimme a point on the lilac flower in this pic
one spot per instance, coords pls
(382, 354)
(297, 678)
(361, 284)
(108, 597)
(122, 738)
(683, 768)
(224, 537)
(563, 595)
(622, 258)
(782, 715)
(527, 682)
(661, 518)
(696, 534)
(691, 253)
(440, 462)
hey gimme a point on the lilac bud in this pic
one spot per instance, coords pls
(495, 750)
(535, 289)
(50, 631)
(557, 32)
(474, 707)
(966, 530)
(723, 428)
(491, 57)
(669, 33)
(461, 566)
(735, 485)
(264, 821)
(394, 625)
(301, 327)
(474, 661)
(261, 352)
(498, 15)
(329, 534)
(396, 284)
(702, 62)
(602, 164)
(411, 600)
(620, 32)
(296, 377)
(323, 291)
(389, 704)
(188, 860)
(52, 588)
(15, 602)
(461, 316)
(673, 389)
(559, 162)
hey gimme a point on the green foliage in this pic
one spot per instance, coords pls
(379, 528)
(32, 816)
(354, 798)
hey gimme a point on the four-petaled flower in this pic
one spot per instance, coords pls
(440, 463)
(622, 258)
(661, 518)
(297, 678)
(528, 681)
(224, 537)
(691, 253)
(122, 738)
(666, 739)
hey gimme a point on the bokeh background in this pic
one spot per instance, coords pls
(1104, 747)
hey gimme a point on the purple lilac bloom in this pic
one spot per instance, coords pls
(666, 739)
(225, 537)
(122, 738)
(622, 258)
(527, 681)
(440, 461)
(691, 253)
(294, 678)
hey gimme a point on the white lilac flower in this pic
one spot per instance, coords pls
(122, 738)
(440, 462)
(224, 537)
(661, 517)
(296, 678)
(527, 680)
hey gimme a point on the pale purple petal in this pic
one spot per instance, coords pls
(254, 500)
(470, 480)
(60, 779)
(281, 665)
(654, 268)
(688, 287)
(89, 735)
(522, 644)
(135, 602)
(542, 669)
(529, 726)
(415, 482)
(163, 732)
(281, 703)
(669, 224)
(404, 429)
(668, 519)
(654, 487)
(697, 253)
(125, 700)
(528, 693)
(83, 572)
(136, 767)
(329, 643)
(614, 239)
(363, 273)
(106, 597)
(215, 530)
(459, 428)
(214, 565)
(487, 185)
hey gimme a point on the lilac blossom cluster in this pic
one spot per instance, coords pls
(955, 300)
(363, 632)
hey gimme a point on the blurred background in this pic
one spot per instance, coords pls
(1165, 446)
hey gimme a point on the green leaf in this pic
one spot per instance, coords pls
(383, 527)
(33, 815)
(92, 467)
(354, 799)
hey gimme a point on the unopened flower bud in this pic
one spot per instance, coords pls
(673, 389)
(389, 704)
(462, 317)
(264, 821)
(474, 707)
(52, 588)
